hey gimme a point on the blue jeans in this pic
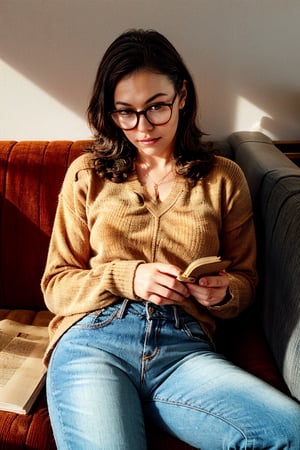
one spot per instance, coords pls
(134, 360)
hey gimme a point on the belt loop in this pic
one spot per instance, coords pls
(148, 311)
(122, 309)
(176, 317)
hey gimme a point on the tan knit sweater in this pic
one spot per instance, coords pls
(103, 230)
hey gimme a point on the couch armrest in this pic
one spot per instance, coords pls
(274, 183)
(257, 156)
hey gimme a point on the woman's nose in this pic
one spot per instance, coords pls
(143, 123)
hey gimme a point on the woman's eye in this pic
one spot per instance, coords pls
(155, 107)
(125, 112)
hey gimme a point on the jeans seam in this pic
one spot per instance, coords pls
(197, 408)
(51, 385)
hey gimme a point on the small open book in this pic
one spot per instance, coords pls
(201, 267)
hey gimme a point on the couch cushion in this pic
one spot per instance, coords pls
(31, 174)
(282, 279)
(27, 317)
(276, 189)
(30, 431)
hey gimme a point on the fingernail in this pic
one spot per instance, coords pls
(203, 282)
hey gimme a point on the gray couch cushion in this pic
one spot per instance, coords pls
(282, 279)
(274, 182)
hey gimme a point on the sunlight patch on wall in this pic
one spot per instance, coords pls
(29, 112)
(249, 117)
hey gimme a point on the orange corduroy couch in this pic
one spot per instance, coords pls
(31, 175)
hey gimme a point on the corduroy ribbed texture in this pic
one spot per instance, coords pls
(31, 174)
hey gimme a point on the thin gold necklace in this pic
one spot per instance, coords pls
(158, 183)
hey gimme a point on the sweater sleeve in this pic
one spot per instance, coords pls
(238, 244)
(69, 284)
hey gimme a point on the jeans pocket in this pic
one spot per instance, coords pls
(99, 319)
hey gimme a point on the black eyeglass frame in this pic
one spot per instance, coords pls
(144, 113)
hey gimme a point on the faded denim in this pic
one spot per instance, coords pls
(135, 359)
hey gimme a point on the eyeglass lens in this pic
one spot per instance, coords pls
(129, 119)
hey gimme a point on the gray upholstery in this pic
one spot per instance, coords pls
(274, 183)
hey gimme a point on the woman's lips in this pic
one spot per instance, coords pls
(149, 141)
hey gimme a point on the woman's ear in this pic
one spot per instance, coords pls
(183, 95)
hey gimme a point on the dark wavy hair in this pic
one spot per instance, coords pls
(132, 51)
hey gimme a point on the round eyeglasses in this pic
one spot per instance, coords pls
(156, 114)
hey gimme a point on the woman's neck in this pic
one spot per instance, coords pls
(157, 174)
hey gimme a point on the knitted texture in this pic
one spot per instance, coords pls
(104, 230)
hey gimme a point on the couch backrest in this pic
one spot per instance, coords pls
(274, 182)
(282, 275)
(264, 166)
(31, 175)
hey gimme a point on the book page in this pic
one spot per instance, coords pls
(21, 368)
(205, 266)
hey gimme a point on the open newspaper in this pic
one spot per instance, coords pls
(22, 372)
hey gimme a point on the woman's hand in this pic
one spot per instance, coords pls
(156, 283)
(210, 291)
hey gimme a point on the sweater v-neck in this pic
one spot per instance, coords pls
(157, 207)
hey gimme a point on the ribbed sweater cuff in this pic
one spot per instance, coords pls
(121, 278)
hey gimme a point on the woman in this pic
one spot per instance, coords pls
(128, 339)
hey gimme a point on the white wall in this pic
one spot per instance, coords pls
(244, 55)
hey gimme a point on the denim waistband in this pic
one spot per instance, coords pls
(152, 311)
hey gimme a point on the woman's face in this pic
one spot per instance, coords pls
(137, 92)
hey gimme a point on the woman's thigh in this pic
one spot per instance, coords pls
(93, 403)
(212, 404)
